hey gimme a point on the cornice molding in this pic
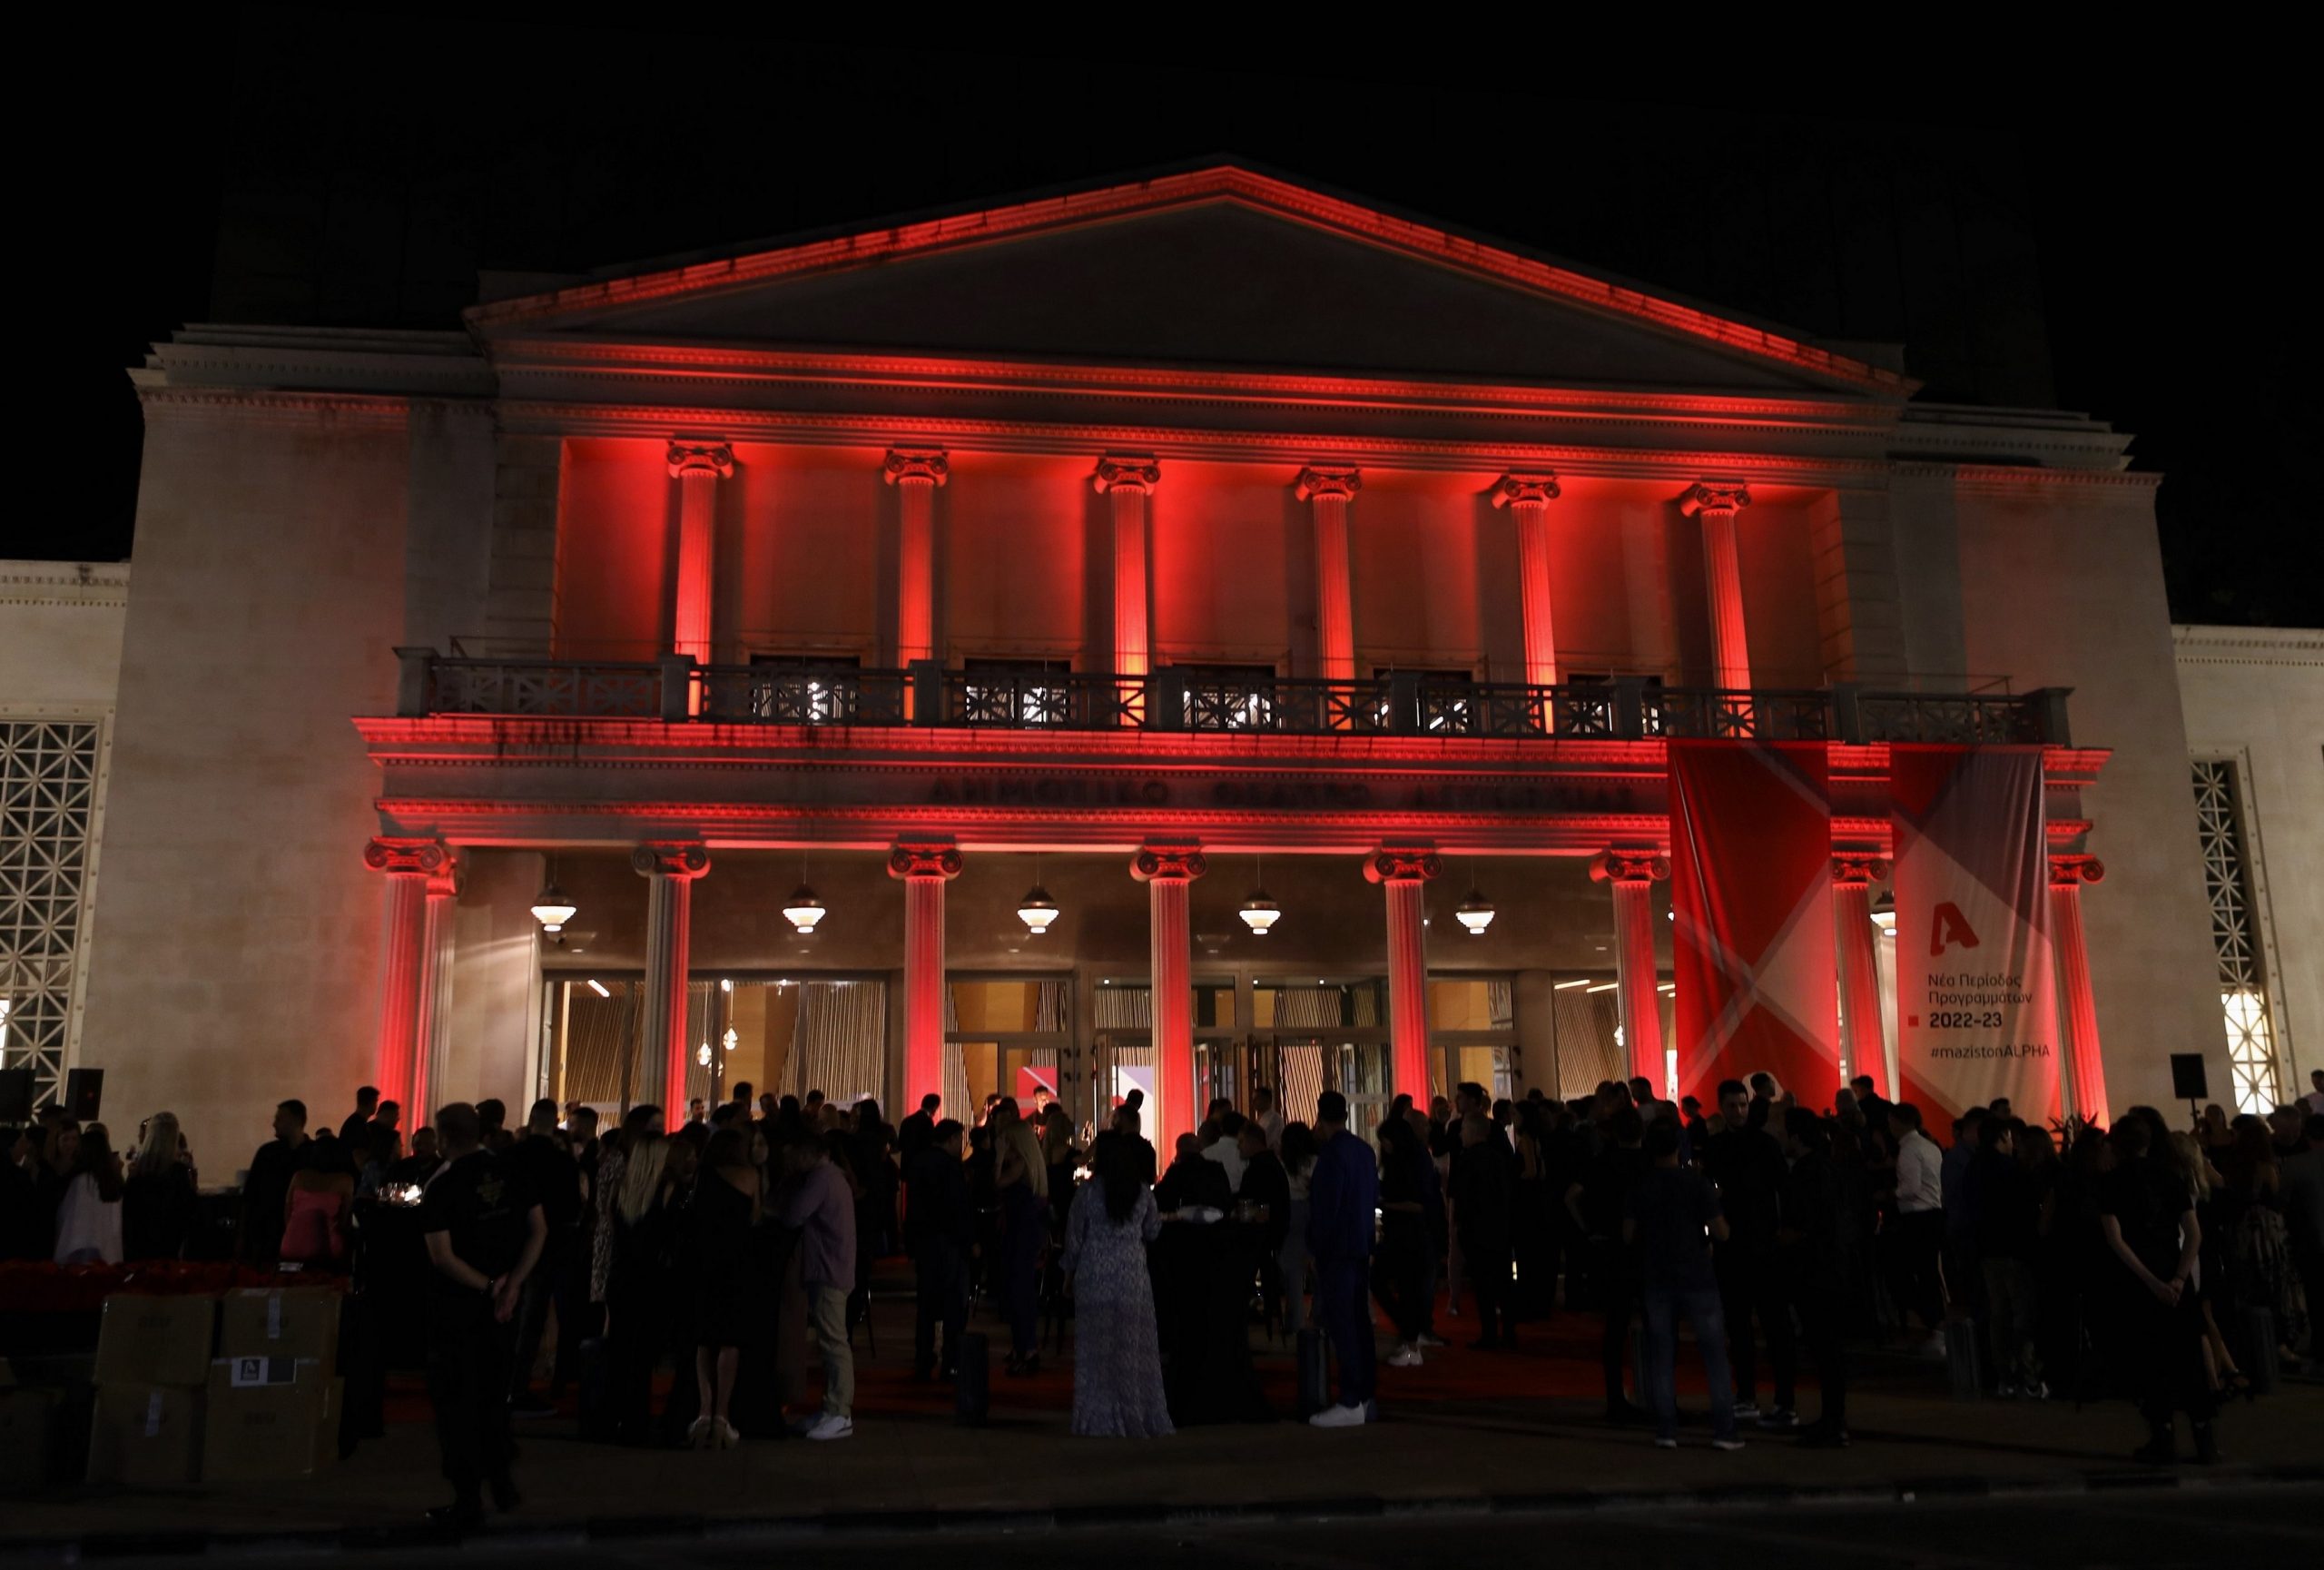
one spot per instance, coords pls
(65, 584)
(2290, 648)
(2000, 479)
(359, 409)
(528, 418)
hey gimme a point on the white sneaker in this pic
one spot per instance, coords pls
(1428, 1340)
(1748, 1411)
(1727, 1443)
(2006, 1392)
(1665, 1444)
(2036, 1391)
(831, 1426)
(1406, 1356)
(1341, 1418)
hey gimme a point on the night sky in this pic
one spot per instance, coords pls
(2117, 251)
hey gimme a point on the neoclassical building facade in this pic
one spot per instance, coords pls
(1190, 633)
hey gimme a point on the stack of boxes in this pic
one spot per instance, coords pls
(152, 1364)
(230, 1389)
(274, 1399)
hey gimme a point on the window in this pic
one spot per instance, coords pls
(2237, 936)
(1014, 691)
(1445, 700)
(1587, 714)
(1230, 696)
(806, 688)
(48, 804)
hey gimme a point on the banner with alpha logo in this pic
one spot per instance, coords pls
(1751, 896)
(1976, 1015)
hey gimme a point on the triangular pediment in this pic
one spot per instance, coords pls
(1221, 268)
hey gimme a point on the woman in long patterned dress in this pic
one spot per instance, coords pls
(1118, 1361)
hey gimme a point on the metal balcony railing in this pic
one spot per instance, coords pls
(677, 690)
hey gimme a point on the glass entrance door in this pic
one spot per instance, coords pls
(1355, 1064)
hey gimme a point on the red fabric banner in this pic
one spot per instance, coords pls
(1751, 896)
(1977, 1009)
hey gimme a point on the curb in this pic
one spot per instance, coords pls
(607, 1529)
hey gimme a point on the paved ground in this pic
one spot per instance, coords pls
(1518, 1434)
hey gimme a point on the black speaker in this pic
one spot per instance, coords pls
(84, 1093)
(15, 1097)
(2187, 1080)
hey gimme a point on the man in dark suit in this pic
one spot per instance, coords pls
(939, 1228)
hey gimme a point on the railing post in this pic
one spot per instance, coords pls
(927, 691)
(1629, 700)
(1404, 703)
(678, 687)
(412, 681)
(1166, 698)
(2049, 707)
(1847, 712)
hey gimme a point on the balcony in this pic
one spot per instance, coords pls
(677, 690)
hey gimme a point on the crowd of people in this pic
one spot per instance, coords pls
(2138, 1259)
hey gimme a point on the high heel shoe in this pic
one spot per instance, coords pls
(2236, 1382)
(698, 1433)
(725, 1435)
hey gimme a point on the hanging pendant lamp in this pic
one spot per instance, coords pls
(1259, 912)
(1037, 910)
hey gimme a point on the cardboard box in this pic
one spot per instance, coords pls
(299, 1323)
(270, 1418)
(27, 1425)
(157, 1340)
(147, 1436)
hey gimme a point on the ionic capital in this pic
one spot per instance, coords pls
(1715, 496)
(1515, 489)
(1328, 484)
(1119, 471)
(408, 858)
(1615, 865)
(2067, 872)
(938, 859)
(916, 465)
(670, 859)
(715, 459)
(1858, 867)
(1169, 863)
(1402, 865)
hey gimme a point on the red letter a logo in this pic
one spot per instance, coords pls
(1950, 927)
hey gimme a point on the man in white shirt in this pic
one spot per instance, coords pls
(1920, 1232)
(1267, 1115)
(1227, 1149)
(2315, 1098)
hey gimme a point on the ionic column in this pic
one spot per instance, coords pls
(2083, 1075)
(1528, 498)
(435, 992)
(669, 868)
(1716, 503)
(1404, 871)
(1633, 874)
(1328, 492)
(1166, 871)
(407, 973)
(915, 472)
(1128, 482)
(697, 467)
(1864, 1044)
(925, 866)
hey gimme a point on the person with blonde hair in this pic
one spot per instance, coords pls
(646, 1223)
(158, 1201)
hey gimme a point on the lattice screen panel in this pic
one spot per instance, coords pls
(48, 801)
(2235, 934)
